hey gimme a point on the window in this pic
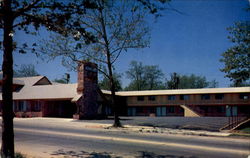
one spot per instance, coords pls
(14, 105)
(171, 109)
(22, 106)
(244, 96)
(221, 109)
(205, 97)
(184, 97)
(151, 98)
(131, 111)
(37, 106)
(139, 110)
(151, 109)
(171, 97)
(204, 108)
(140, 98)
(181, 110)
(219, 96)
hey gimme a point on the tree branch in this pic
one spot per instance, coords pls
(103, 72)
(25, 9)
(21, 23)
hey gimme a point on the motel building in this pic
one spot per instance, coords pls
(39, 97)
(189, 102)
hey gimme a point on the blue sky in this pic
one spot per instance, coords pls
(186, 43)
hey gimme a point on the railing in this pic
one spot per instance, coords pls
(187, 102)
(234, 121)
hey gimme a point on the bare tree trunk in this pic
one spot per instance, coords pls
(7, 149)
(114, 105)
(117, 122)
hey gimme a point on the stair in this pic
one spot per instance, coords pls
(189, 112)
(235, 124)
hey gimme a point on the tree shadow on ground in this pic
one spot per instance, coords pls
(121, 119)
(83, 154)
(145, 154)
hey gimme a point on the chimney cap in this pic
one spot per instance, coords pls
(84, 62)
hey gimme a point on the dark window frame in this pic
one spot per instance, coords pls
(184, 97)
(244, 96)
(171, 97)
(205, 97)
(140, 98)
(22, 106)
(219, 96)
(221, 109)
(37, 106)
(171, 109)
(152, 98)
(139, 110)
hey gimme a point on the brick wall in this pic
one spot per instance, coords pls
(87, 106)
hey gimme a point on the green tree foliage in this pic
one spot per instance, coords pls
(174, 81)
(26, 71)
(60, 80)
(148, 77)
(104, 83)
(237, 58)
(192, 81)
(64, 79)
(21, 15)
(213, 84)
(136, 74)
(154, 77)
(178, 81)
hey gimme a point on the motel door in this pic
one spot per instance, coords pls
(132, 111)
(161, 111)
(231, 111)
(158, 111)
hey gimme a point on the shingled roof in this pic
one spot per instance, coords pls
(39, 87)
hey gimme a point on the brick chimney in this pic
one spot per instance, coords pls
(87, 106)
(87, 75)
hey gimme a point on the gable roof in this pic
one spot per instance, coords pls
(61, 91)
(39, 87)
(43, 81)
(30, 81)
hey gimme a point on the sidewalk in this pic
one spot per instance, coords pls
(107, 125)
(193, 123)
(154, 130)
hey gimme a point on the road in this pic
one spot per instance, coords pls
(61, 137)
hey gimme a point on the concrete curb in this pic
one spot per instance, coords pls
(133, 128)
(156, 130)
(146, 129)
